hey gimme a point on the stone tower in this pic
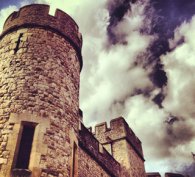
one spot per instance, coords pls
(123, 145)
(40, 64)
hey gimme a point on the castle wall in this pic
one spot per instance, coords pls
(119, 152)
(38, 15)
(39, 75)
(94, 158)
(88, 167)
(124, 146)
(136, 163)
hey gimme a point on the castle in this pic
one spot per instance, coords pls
(41, 129)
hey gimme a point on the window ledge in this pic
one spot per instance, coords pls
(21, 172)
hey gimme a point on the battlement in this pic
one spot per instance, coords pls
(92, 146)
(153, 174)
(37, 15)
(173, 175)
(119, 129)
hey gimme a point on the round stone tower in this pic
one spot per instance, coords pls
(40, 64)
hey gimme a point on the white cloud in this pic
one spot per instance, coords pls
(68, 6)
(112, 75)
(180, 65)
(180, 100)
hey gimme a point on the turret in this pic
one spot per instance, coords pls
(124, 146)
(40, 64)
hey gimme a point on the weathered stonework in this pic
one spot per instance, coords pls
(124, 146)
(88, 167)
(40, 75)
(38, 148)
(91, 149)
(37, 15)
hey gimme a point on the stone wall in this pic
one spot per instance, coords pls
(37, 15)
(124, 146)
(88, 167)
(131, 164)
(137, 168)
(39, 75)
(94, 157)
(118, 129)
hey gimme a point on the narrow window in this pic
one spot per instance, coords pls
(18, 43)
(22, 161)
(75, 161)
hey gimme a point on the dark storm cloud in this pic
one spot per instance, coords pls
(5, 3)
(165, 17)
(189, 170)
(175, 137)
(158, 98)
(117, 10)
(168, 15)
(178, 132)
(173, 11)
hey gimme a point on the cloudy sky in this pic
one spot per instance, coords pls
(139, 62)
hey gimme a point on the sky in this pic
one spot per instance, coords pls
(139, 62)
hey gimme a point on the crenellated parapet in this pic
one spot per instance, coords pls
(173, 175)
(91, 145)
(37, 15)
(153, 174)
(119, 129)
